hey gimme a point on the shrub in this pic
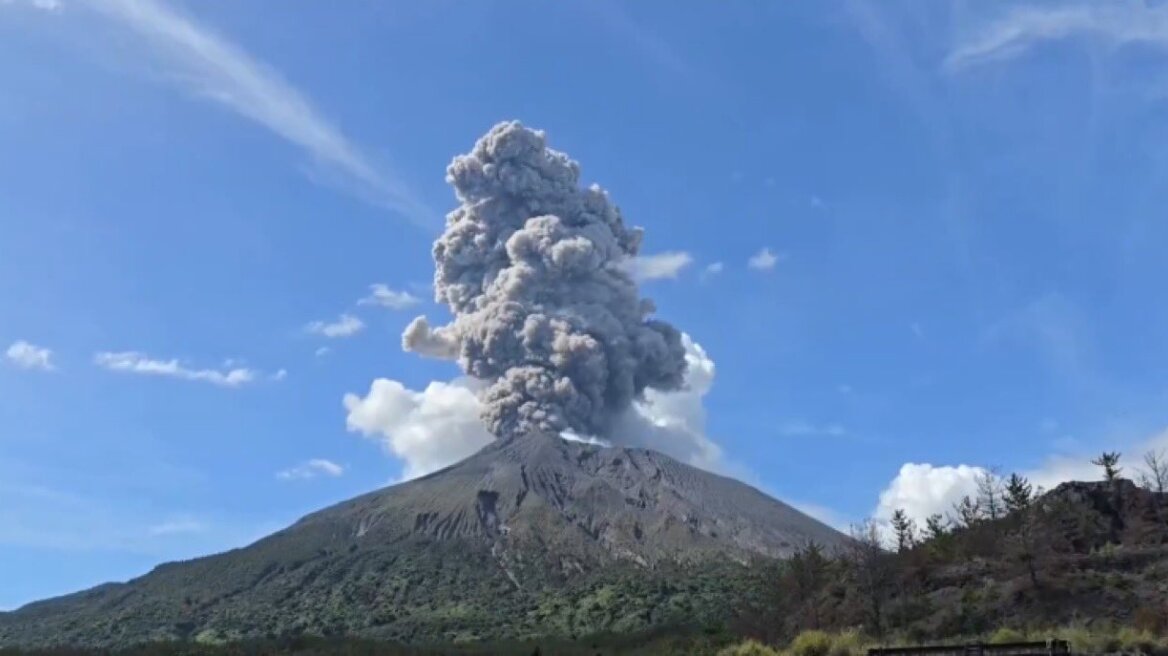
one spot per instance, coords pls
(748, 648)
(848, 643)
(1152, 619)
(811, 643)
(209, 637)
(1006, 634)
(1136, 640)
(1084, 640)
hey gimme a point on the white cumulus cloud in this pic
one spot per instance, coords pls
(440, 425)
(29, 356)
(921, 489)
(311, 469)
(381, 294)
(346, 325)
(659, 266)
(135, 362)
(764, 260)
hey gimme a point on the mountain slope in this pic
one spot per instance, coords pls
(533, 536)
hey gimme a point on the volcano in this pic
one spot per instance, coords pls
(533, 536)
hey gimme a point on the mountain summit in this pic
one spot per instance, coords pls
(531, 536)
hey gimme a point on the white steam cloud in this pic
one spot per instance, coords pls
(427, 430)
(440, 425)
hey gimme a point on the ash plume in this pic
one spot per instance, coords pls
(535, 270)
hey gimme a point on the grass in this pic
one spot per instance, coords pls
(1006, 634)
(849, 643)
(1096, 639)
(748, 648)
(1100, 639)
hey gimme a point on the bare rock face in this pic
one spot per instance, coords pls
(614, 503)
(532, 536)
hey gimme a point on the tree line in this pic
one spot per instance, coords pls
(1008, 527)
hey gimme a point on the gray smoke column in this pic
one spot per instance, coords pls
(535, 270)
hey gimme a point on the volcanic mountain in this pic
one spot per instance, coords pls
(531, 536)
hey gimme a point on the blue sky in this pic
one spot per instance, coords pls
(911, 236)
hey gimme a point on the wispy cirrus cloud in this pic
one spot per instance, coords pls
(135, 362)
(1058, 332)
(833, 518)
(614, 17)
(800, 428)
(44, 5)
(910, 70)
(29, 356)
(215, 69)
(712, 269)
(30, 515)
(1024, 26)
(177, 526)
(311, 469)
(346, 325)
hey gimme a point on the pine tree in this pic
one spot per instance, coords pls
(1019, 493)
(808, 568)
(871, 572)
(904, 528)
(1109, 461)
(936, 535)
(935, 527)
(989, 494)
(968, 511)
(1024, 542)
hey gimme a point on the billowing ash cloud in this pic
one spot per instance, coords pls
(535, 270)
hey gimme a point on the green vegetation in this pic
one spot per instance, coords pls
(429, 595)
(1007, 563)
(811, 643)
(748, 648)
(1099, 639)
(673, 640)
(1006, 635)
(1086, 563)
